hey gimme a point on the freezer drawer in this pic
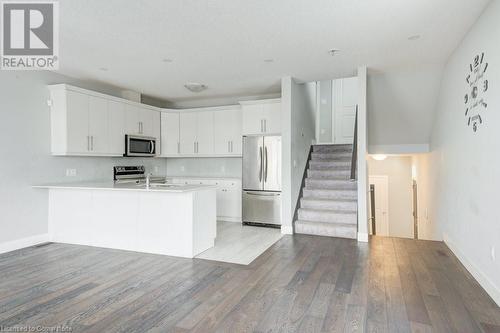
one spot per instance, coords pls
(262, 207)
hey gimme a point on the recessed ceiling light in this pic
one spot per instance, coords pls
(414, 37)
(195, 87)
(269, 60)
(379, 157)
(333, 52)
(104, 69)
(167, 60)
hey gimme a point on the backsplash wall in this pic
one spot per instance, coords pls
(229, 167)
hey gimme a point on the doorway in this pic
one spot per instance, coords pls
(379, 205)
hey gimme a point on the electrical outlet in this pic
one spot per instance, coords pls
(493, 254)
(157, 169)
(70, 172)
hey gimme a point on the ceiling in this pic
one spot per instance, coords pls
(157, 46)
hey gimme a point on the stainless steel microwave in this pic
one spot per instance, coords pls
(140, 146)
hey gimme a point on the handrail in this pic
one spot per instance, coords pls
(354, 157)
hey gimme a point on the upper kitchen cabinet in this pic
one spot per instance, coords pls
(87, 123)
(170, 134)
(228, 132)
(196, 133)
(261, 117)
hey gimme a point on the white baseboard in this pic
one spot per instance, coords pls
(485, 282)
(24, 242)
(399, 149)
(229, 219)
(362, 237)
(287, 230)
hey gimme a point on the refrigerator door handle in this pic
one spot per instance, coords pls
(270, 194)
(260, 165)
(266, 162)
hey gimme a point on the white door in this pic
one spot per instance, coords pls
(272, 117)
(236, 132)
(187, 122)
(170, 134)
(381, 193)
(205, 133)
(253, 117)
(146, 122)
(77, 122)
(116, 127)
(98, 125)
(345, 99)
(132, 119)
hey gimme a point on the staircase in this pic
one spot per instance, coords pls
(328, 206)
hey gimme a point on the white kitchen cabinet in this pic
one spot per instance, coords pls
(170, 134)
(197, 133)
(98, 125)
(229, 197)
(116, 126)
(261, 117)
(205, 133)
(228, 132)
(86, 123)
(188, 124)
(73, 136)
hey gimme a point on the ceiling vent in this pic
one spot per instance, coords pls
(195, 87)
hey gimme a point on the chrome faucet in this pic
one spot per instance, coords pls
(148, 180)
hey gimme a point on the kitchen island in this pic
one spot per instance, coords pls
(176, 220)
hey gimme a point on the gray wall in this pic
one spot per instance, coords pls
(25, 152)
(464, 165)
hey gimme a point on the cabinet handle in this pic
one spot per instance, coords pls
(261, 125)
(194, 145)
(88, 143)
(265, 125)
(229, 146)
(178, 147)
(232, 149)
(92, 142)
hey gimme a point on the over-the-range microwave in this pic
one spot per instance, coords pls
(140, 146)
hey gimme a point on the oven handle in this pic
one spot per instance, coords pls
(151, 147)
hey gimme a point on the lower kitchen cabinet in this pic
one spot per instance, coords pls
(228, 195)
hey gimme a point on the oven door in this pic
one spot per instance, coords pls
(140, 146)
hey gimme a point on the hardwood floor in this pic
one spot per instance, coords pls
(300, 284)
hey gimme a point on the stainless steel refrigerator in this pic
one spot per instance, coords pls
(262, 180)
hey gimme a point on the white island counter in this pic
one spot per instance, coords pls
(176, 220)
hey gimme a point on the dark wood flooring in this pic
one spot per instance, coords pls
(301, 284)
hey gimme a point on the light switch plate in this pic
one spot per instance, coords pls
(70, 172)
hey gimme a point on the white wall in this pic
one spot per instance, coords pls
(205, 167)
(25, 154)
(401, 104)
(398, 170)
(298, 133)
(464, 165)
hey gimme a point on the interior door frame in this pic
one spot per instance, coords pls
(385, 179)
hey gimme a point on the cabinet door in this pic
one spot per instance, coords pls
(223, 123)
(116, 127)
(236, 132)
(77, 108)
(187, 122)
(252, 119)
(98, 125)
(234, 200)
(146, 122)
(205, 133)
(272, 118)
(170, 134)
(132, 119)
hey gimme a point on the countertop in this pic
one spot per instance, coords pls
(172, 188)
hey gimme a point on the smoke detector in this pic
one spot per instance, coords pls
(195, 87)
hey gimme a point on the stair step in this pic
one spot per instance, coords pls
(332, 148)
(328, 216)
(331, 184)
(326, 229)
(336, 204)
(328, 165)
(331, 156)
(329, 174)
(330, 194)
